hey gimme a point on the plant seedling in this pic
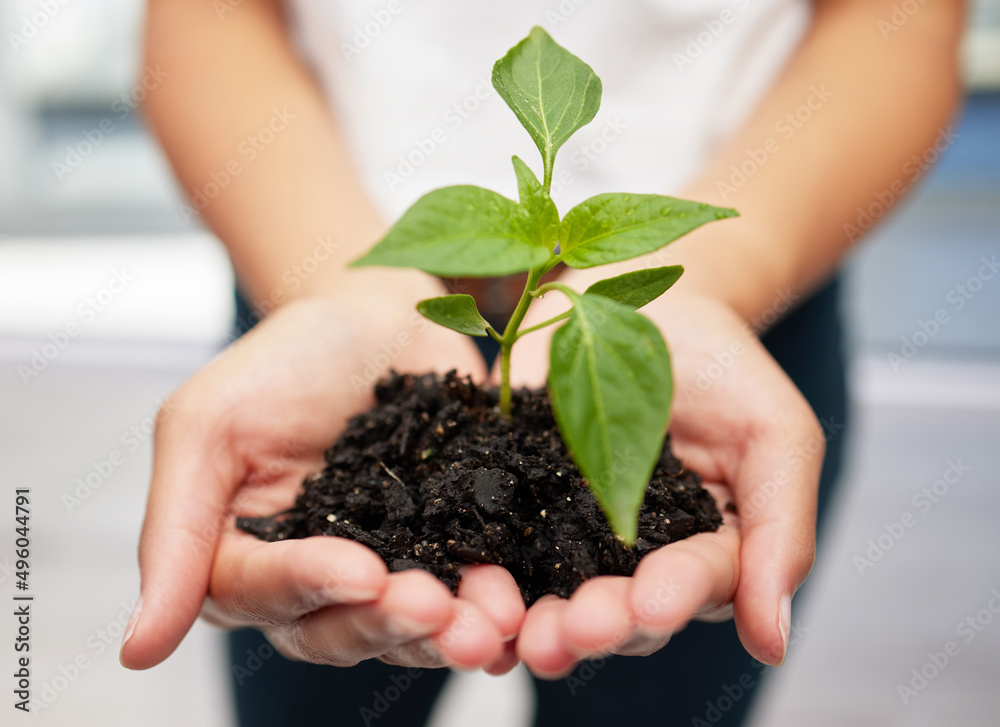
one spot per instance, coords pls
(610, 381)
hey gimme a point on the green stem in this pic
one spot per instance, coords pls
(510, 336)
(553, 261)
(549, 322)
(505, 393)
(554, 285)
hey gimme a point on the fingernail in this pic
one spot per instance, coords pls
(132, 621)
(784, 623)
(653, 633)
(642, 644)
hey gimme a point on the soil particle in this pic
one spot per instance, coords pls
(432, 477)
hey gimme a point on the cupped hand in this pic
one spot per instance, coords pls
(740, 422)
(238, 438)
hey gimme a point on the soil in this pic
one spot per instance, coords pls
(432, 477)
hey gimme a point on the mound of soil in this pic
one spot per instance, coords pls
(432, 477)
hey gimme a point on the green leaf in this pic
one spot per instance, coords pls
(551, 91)
(457, 312)
(528, 186)
(638, 288)
(461, 231)
(538, 205)
(610, 385)
(612, 227)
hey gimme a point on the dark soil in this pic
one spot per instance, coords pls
(432, 477)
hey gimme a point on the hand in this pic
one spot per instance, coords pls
(238, 438)
(739, 422)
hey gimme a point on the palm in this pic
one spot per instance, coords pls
(735, 419)
(308, 375)
(237, 439)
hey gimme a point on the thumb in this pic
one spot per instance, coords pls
(778, 520)
(192, 484)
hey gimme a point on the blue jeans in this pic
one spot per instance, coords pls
(703, 677)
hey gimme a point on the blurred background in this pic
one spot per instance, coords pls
(94, 250)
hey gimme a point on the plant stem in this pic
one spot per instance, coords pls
(543, 324)
(505, 381)
(510, 336)
(554, 285)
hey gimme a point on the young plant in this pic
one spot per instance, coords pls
(609, 381)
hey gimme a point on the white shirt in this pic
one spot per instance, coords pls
(410, 83)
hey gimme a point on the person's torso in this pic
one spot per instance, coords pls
(410, 83)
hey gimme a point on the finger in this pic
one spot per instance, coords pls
(256, 583)
(496, 593)
(597, 618)
(476, 635)
(471, 640)
(507, 661)
(540, 644)
(675, 583)
(413, 606)
(642, 644)
(192, 482)
(778, 527)
(421, 653)
(716, 615)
